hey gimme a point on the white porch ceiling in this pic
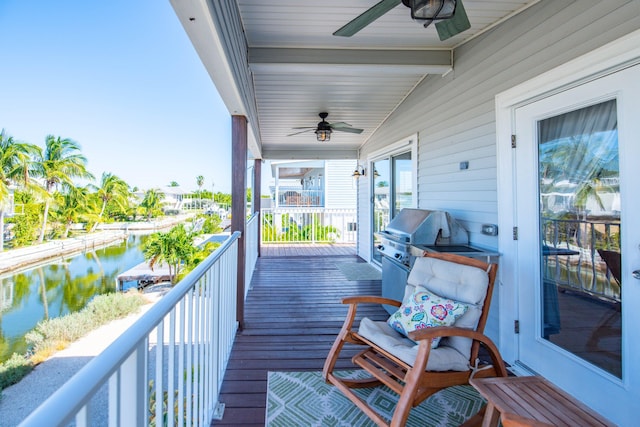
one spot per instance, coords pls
(299, 69)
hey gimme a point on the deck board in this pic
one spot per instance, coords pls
(292, 316)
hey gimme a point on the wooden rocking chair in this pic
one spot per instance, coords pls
(409, 366)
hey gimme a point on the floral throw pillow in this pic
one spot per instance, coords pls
(424, 309)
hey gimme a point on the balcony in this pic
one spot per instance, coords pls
(195, 324)
(297, 197)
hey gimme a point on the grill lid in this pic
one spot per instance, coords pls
(421, 226)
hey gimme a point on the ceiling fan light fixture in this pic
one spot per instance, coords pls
(431, 10)
(323, 135)
(323, 131)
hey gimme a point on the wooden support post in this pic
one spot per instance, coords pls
(257, 194)
(239, 202)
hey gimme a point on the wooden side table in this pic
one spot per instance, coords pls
(533, 398)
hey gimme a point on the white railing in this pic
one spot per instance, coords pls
(308, 225)
(168, 367)
(293, 197)
(251, 246)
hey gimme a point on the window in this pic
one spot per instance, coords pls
(393, 190)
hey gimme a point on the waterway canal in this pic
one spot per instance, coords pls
(61, 287)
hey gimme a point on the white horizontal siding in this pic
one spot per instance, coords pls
(341, 192)
(455, 115)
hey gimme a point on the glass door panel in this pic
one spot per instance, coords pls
(577, 249)
(579, 185)
(381, 201)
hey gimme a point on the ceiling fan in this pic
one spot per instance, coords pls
(451, 14)
(323, 129)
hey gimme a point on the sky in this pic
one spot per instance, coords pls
(119, 77)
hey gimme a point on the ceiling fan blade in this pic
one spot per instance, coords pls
(302, 131)
(338, 125)
(304, 127)
(366, 18)
(350, 130)
(458, 23)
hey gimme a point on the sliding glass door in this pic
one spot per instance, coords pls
(393, 178)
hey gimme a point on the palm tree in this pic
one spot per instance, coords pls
(61, 162)
(73, 204)
(112, 189)
(15, 167)
(200, 182)
(152, 202)
(175, 248)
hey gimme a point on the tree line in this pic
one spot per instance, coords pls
(43, 185)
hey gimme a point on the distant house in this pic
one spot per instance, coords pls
(315, 183)
(318, 195)
(174, 198)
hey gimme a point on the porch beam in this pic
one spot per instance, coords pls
(349, 61)
(239, 202)
(309, 154)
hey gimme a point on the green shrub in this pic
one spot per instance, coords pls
(14, 369)
(211, 224)
(55, 334)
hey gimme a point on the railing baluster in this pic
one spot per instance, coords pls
(189, 367)
(181, 360)
(132, 382)
(83, 417)
(171, 369)
(159, 416)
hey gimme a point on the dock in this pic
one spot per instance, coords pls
(144, 275)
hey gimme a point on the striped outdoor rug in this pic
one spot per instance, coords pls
(358, 271)
(304, 399)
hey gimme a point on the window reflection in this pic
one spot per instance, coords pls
(579, 184)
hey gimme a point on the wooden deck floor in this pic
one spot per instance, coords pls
(306, 249)
(292, 317)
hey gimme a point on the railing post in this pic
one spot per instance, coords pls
(132, 388)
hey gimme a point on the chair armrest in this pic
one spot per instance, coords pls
(444, 331)
(364, 299)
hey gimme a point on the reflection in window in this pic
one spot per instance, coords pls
(579, 184)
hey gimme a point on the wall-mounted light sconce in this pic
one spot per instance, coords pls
(360, 171)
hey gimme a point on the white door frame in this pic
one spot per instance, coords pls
(615, 55)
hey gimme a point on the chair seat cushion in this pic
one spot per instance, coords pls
(424, 309)
(443, 358)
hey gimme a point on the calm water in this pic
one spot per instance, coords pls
(59, 288)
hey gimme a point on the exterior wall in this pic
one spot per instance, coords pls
(455, 115)
(340, 189)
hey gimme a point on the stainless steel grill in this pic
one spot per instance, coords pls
(411, 228)
(419, 227)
